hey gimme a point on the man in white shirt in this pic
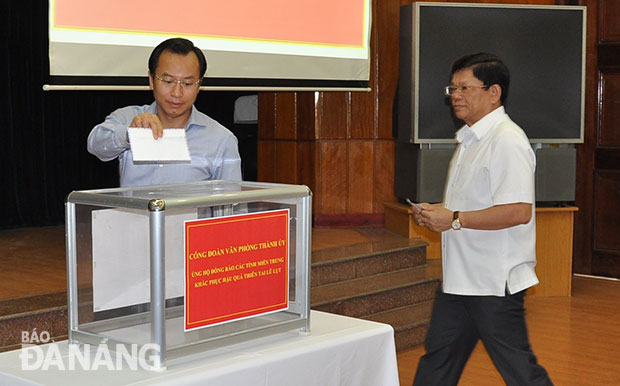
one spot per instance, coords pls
(488, 235)
(176, 69)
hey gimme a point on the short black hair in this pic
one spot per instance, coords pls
(488, 68)
(178, 46)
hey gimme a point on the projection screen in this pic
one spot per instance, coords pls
(249, 44)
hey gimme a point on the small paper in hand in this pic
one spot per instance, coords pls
(419, 206)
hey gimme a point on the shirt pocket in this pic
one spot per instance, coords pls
(471, 188)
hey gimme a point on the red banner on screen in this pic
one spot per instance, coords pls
(308, 21)
(235, 267)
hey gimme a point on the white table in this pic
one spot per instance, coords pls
(339, 351)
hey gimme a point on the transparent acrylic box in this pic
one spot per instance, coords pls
(123, 251)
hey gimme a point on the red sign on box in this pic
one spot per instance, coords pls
(235, 267)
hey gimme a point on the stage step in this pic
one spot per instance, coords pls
(381, 281)
(339, 264)
(410, 323)
(41, 313)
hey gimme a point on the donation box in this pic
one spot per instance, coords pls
(187, 267)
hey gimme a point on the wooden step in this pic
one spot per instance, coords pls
(410, 323)
(41, 312)
(339, 264)
(373, 294)
(385, 279)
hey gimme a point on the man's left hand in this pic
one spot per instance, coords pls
(434, 217)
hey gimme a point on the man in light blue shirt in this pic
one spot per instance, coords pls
(176, 69)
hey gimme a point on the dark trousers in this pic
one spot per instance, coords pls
(456, 325)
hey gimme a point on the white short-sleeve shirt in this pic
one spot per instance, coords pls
(493, 164)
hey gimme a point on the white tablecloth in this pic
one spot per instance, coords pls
(339, 351)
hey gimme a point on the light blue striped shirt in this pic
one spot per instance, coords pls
(213, 150)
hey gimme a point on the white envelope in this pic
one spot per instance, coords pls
(172, 147)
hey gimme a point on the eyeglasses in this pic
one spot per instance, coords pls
(186, 84)
(449, 90)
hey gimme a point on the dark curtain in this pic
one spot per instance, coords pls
(43, 141)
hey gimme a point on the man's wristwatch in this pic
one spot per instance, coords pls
(456, 221)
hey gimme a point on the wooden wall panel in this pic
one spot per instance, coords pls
(386, 51)
(605, 264)
(363, 121)
(585, 153)
(609, 20)
(361, 176)
(266, 116)
(286, 162)
(607, 159)
(267, 161)
(332, 180)
(334, 115)
(607, 210)
(306, 161)
(384, 174)
(603, 256)
(286, 115)
(364, 106)
(609, 132)
(306, 116)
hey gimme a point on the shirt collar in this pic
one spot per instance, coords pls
(192, 121)
(468, 134)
